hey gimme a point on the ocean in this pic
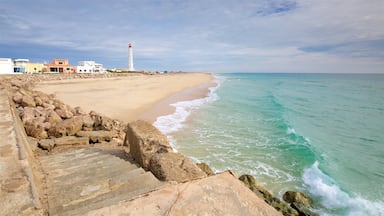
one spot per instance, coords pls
(322, 134)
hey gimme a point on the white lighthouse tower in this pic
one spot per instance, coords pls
(130, 57)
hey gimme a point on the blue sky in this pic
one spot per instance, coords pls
(334, 36)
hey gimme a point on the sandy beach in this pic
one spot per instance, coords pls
(131, 97)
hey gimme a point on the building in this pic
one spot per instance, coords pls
(20, 65)
(34, 67)
(6, 66)
(89, 67)
(59, 66)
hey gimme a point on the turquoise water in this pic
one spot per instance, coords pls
(317, 133)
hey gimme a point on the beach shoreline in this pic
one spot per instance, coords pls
(133, 97)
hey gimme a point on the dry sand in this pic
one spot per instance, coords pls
(131, 97)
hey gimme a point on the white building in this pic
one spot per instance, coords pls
(20, 65)
(89, 67)
(6, 66)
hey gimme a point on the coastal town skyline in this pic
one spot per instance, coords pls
(218, 36)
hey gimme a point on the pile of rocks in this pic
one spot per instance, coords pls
(296, 203)
(53, 123)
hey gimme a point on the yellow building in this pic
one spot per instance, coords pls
(34, 67)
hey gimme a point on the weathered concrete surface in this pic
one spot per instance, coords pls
(221, 194)
(88, 179)
(18, 192)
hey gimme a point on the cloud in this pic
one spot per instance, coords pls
(217, 35)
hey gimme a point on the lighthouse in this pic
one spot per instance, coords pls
(130, 57)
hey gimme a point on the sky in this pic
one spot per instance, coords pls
(315, 36)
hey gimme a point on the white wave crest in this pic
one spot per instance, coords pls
(335, 199)
(174, 122)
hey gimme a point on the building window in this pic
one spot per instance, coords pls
(68, 69)
(60, 63)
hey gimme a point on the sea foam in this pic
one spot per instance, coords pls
(334, 199)
(171, 123)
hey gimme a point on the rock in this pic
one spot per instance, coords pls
(88, 122)
(64, 113)
(303, 211)
(97, 136)
(28, 114)
(17, 97)
(282, 207)
(205, 168)
(172, 166)
(71, 140)
(297, 197)
(53, 117)
(27, 101)
(34, 129)
(79, 111)
(38, 101)
(46, 144)
(144, 140)
(250, 182)
(68, 127)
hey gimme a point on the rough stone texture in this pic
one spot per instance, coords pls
(144, 140)
(250, 182)
(27, 100)
(35, 129)
(303, 211)
(71, 140)
(46, 144)
(88, 122)
(64, 113)
(297, 197)
(67, 127)
(221, 194)
(79, 111)
(172, 166)
(205, 168)
(97, 136)
(53, 117)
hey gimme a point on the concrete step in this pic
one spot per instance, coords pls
(70, 156)
(90, 188)
(86, 179)
(75, 176)
(138, 186)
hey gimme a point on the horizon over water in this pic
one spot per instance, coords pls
(321, 134)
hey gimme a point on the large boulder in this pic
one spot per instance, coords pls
(172, 166)
(97, 136)
(297, 197)
(68, 127)
(144, 140)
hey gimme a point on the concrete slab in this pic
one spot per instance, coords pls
(222, 194)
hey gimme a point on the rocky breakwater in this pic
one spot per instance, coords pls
(296, 203)
(50, 123)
